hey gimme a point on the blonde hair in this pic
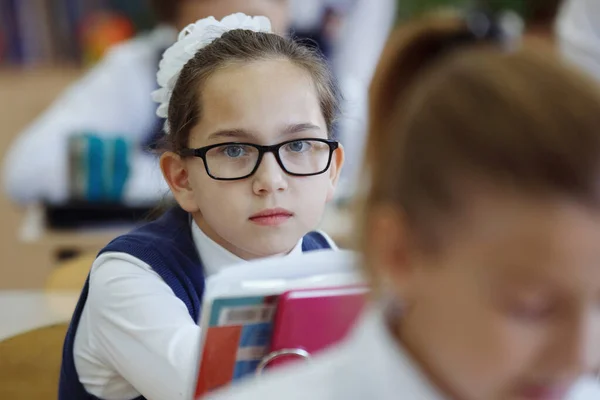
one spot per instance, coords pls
(444, 109)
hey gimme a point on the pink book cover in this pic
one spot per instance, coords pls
(313, 319)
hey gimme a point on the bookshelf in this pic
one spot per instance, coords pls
(44, 32)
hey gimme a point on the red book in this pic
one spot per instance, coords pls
(308, 321)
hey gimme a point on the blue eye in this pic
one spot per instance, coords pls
(298, 146)
(234, 151)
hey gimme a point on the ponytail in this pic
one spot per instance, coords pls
(447, 102)
(408, 53)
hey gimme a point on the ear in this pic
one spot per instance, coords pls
(337, 162)
(175, 172)
(390, 250)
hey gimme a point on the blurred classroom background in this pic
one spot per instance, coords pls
(54, 219)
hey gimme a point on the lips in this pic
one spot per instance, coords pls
(543, 392)
(271, 217)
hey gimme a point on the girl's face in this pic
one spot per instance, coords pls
(509, 305)
(265, 103)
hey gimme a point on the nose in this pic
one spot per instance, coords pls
(269, 178)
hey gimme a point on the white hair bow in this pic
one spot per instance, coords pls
(191, 39)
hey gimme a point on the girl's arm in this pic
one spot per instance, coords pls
(139, 330)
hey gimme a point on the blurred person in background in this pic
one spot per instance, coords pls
(362, 38)
(325, 30)
(480, 230)
(113, 100)
(578, 32)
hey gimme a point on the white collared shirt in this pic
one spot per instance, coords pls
(368, 365)
(135, 336)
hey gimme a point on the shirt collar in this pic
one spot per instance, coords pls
(215, 257)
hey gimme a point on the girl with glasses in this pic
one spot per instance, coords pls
(249, 158)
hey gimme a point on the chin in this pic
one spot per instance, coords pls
(273, 247)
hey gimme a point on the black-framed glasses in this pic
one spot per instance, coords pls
(234, 160)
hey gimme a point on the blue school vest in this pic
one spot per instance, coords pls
(167, 245)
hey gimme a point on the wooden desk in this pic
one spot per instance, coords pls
(24, 310)
(47, 244)
(25, 93)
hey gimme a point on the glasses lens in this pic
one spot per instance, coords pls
(231, 161)
(305, 157)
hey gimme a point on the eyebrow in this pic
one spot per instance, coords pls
(245, 134)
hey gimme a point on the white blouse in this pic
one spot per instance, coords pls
(135, 337)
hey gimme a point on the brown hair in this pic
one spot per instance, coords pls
(241, 46)
(442, 113)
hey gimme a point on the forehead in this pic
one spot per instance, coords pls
(261, 97)
(522, 238)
